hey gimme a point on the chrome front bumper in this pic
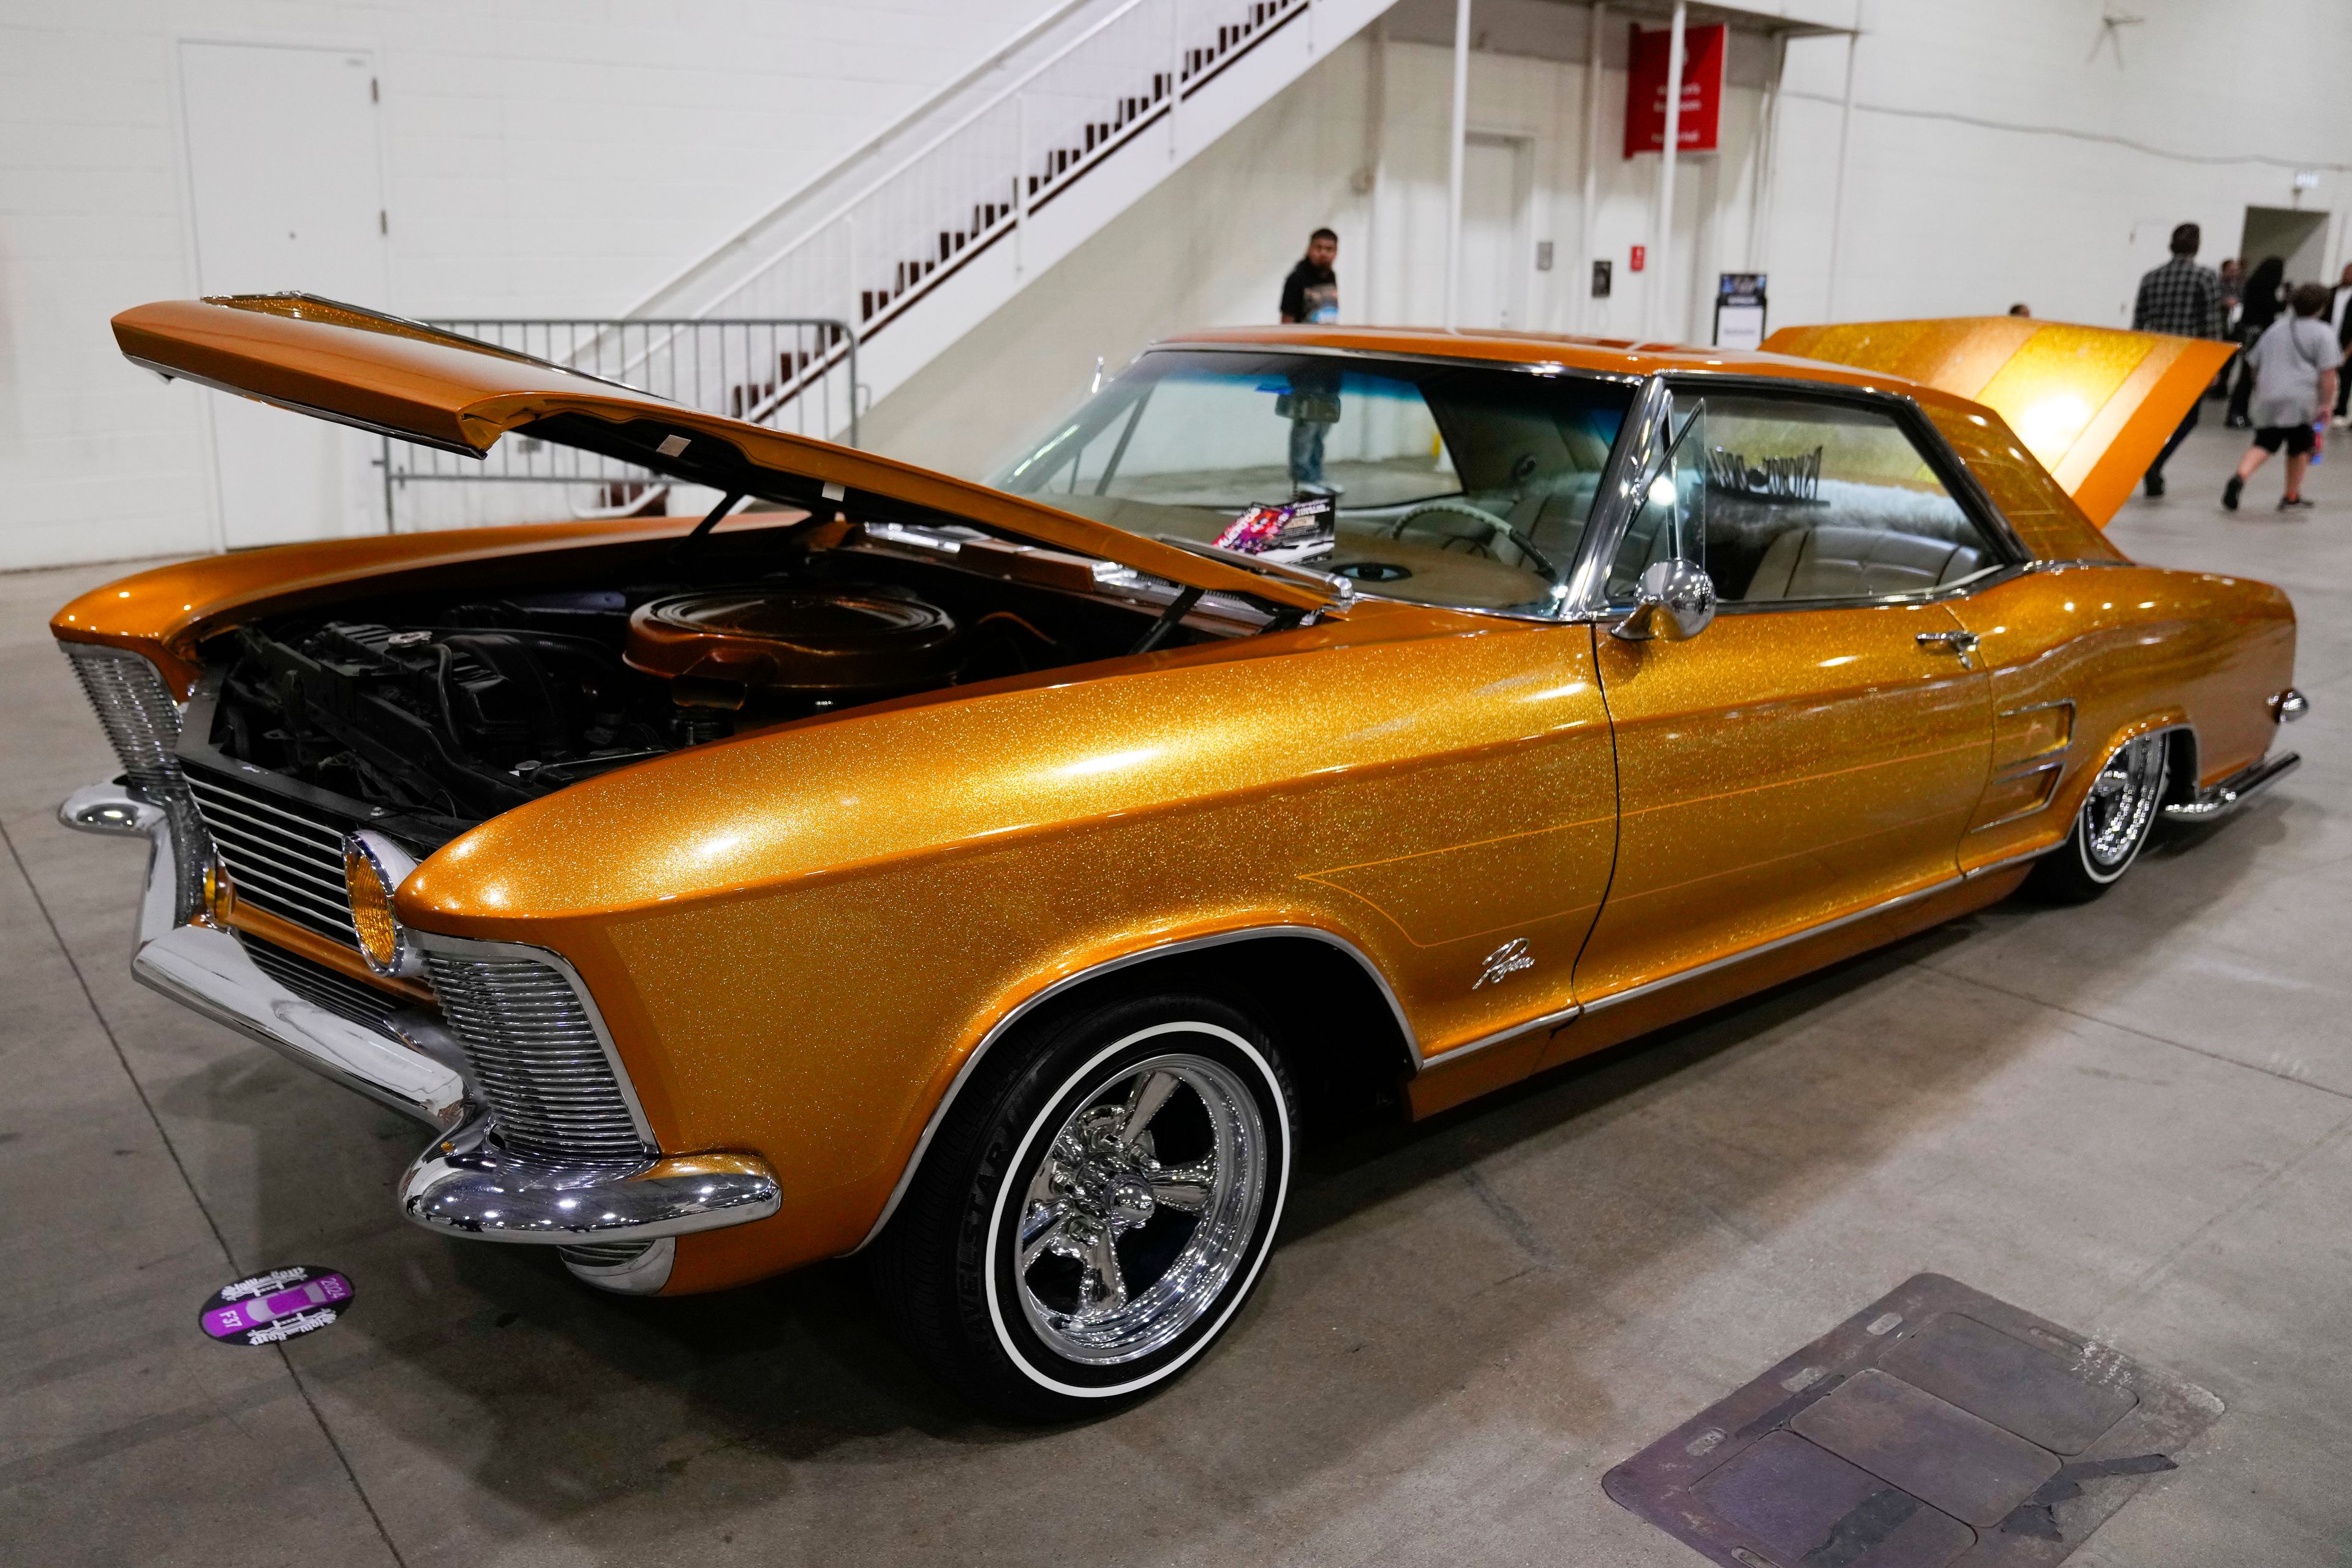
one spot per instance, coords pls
(464, 1183)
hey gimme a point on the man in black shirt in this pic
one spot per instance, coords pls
(2184, 299)
(1310, 296)
(1311, 292)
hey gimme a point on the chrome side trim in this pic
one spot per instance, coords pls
(1108, 966)
(2041, 564)
(1568, 1015)
(467, 1184)
(511, 952)
(1885, 906)
(2234, 790)
(110, 808)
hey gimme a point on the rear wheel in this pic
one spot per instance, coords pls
(1095, 1207)
(2112, 826)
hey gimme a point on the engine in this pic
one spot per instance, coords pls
(476, 707)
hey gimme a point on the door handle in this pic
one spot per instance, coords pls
(1961, 643)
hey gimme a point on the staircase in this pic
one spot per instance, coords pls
(917, 236)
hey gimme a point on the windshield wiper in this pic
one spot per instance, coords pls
(1340, 589)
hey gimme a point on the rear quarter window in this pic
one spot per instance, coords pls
(2044, 516)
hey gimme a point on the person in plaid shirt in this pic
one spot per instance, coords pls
(2184, 299)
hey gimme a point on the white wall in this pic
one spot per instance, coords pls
(538, 159)
(2006, 150)
(560, 159)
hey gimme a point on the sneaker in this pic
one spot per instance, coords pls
(2154, 485)
(2293, 503)
(2230, 493)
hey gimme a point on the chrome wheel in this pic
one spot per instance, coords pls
(2122, 803)
(1142, 1210)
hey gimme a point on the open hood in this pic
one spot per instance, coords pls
(410, 380)
(2095, 404)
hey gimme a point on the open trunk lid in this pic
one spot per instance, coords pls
(2094, 405)
(415, 382)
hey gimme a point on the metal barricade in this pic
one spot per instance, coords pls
(796, 373)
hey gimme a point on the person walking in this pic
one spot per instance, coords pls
(2260, 307)
(1310, 294)
(2184, 299)
(2341, 310)
(2294, 366)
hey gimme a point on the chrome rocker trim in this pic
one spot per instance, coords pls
(460, 1183)
(468, 1185)
(2234, 790)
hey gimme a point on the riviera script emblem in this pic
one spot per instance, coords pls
(1507, 958)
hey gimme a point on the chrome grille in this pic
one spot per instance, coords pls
(135, 710)
(143, 724)
(283, 857)
(538, 1059)
(313, 981)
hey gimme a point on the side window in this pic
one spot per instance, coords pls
(1807, 500)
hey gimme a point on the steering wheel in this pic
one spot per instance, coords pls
(1497, 527)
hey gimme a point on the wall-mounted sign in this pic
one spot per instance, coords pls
(1601, 279)
(1640, 259)
(1645, 90)
(1740, 310)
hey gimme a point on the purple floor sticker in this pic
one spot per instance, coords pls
(269, 1309)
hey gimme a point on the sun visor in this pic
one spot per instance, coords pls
(2094, 405)
(415, 382)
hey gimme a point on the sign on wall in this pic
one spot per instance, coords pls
(1740, 310)
(1645, 92)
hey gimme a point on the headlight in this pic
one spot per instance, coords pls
(374, 869)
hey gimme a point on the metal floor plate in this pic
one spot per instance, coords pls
(1935, 1428)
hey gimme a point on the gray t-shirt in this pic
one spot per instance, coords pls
(2288, 359)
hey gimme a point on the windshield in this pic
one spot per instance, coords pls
(1455, 484)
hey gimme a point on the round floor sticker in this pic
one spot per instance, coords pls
(270, 1309)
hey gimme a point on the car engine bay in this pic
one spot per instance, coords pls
(441, 709)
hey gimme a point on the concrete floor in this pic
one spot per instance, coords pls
(2130, 1118)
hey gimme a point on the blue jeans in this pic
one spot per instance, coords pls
(1306, 451)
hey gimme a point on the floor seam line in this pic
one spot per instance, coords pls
(187, 1182)
(99, 1015)
(2156, 1270)
(336, 1446)
(2130, 1029)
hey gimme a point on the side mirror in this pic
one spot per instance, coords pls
(1673, 601)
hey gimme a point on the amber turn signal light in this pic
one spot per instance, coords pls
(374, 869)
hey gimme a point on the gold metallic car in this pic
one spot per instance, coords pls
(999, 876)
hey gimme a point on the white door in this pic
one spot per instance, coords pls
(1495, 256)
(287, 194)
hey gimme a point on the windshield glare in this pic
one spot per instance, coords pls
(1457, 484)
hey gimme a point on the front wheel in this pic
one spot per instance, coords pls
(1095, 1207)
(2113, 826)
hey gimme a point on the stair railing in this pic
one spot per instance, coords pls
(975, 184)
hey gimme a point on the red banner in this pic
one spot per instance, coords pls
(1645, 90)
